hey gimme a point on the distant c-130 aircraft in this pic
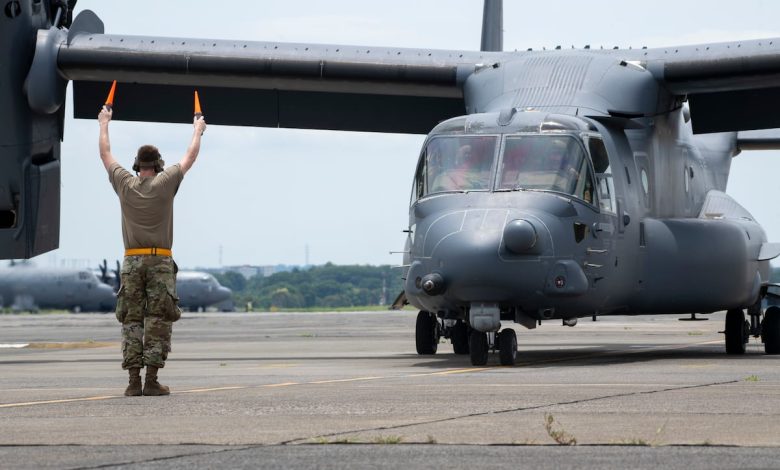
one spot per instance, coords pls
(553, 185)
(26, 287)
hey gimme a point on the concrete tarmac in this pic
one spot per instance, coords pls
(347, 390)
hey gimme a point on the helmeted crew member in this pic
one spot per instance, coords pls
(147, 301)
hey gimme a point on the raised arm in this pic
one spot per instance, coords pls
(199, 127)
(104, 142)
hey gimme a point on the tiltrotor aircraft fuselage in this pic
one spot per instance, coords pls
(525, 215)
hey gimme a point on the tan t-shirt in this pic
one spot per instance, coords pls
(147, 205)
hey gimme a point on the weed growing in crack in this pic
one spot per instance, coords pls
(559, 435)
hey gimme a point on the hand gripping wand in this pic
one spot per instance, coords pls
(110, 100)
(198, 112)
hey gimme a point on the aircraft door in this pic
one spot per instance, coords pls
(600, 247)
(616, 224)
(608, 201)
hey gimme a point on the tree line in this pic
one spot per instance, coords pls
(325, 286)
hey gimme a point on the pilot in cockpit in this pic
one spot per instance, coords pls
(468, 172)
(562, 162)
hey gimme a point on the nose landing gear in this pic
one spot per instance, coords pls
(429, 330)
(738, 330)
(459, 334)
(507, 347)
(505, 342)
(478, 348)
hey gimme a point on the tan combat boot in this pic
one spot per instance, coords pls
(134, 388)
(152, 387)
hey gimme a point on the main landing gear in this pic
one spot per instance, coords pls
(481, 343)
(770, 330)
(739, 330)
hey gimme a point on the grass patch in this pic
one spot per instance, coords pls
(638, 441)
(526, 442)
(557, 433)
(751, 378)
(340, 440)
(387, 439)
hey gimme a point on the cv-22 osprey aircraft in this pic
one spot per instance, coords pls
(553, 185)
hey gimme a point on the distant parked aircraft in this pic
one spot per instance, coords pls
(197, 290)
(24, 286)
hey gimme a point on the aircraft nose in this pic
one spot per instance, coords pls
(499, 259)
(107, 297)
(224, 293)
(464, 263)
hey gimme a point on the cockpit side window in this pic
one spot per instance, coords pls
(455, 163)
(548, 163)
(606, 186)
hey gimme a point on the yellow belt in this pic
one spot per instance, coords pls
(148, 251)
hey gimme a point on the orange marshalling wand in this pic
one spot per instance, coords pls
(198, 112)
(110, 99)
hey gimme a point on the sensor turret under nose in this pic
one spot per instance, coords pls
(433, 284)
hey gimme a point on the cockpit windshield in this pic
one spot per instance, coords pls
(537, 162)
(456, 163)
(546, 162)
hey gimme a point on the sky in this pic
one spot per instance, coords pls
(262, 196)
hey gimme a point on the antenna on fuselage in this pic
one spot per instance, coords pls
(493, 26)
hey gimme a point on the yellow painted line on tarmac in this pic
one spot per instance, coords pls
(283, 384)
(54, 402)
(355, 379)
(450, 372)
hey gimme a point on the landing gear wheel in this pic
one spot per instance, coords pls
(460, 338)
(770, 330)
(736, 332)
(426, 333)
(507, 347)
(478, 348)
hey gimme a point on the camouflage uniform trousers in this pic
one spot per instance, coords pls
(147, 306)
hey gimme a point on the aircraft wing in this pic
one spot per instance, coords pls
(268, 84)
(730, 86)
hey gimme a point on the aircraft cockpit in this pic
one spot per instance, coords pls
(564, 156)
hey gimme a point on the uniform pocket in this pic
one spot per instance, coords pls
(121, 304)
(173, 312)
